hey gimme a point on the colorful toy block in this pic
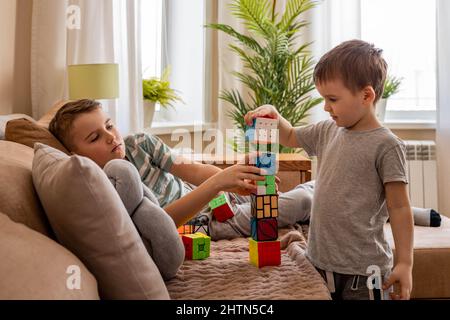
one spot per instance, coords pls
(266, 187)
(221, 208)
(263, 130)
(197, 246)
(268, 162)
(265, 229)
(265, 206)
(186, 229)
(264, 253)
(197, 224)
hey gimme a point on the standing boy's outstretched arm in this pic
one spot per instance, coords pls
(287, 132)
(402, 225)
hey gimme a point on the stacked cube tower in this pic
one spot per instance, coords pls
(264, 246)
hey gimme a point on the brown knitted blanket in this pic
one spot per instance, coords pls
(228, 275)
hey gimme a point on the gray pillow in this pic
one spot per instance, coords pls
(90, 220)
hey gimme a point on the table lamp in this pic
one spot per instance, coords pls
(93, 81)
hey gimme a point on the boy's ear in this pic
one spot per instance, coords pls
(369, 94)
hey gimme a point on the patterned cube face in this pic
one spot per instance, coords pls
(186, 229)
(264, 229)
(265, 253)
(197, 246)
(264, 206)
(262, 131)
(223, 213)
(221, 208)
(266, 130)
(218, 201)
(267, 186)
(268, 162)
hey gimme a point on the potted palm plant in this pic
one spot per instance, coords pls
(157, 90)
(278, 69)
(391, 87)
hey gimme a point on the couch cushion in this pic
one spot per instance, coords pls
(18, 198)
(89, 219)
(35, 267)
(29, 132)
(46, 118)
(431, 270)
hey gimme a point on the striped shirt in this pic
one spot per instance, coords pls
(153, 159)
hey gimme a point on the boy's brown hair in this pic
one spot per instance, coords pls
(61, 123)
(357, 63)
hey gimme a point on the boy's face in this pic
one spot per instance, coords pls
(93, 135)
(345, 107)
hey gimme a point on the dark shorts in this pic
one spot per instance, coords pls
(351, 287)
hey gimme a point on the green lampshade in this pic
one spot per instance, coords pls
(93, 81)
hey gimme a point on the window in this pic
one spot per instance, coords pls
(173, 36)
(406, 31)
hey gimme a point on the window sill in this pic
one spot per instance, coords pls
(159, 128)
(411, 125)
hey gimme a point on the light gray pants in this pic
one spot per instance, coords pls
(156, 228)
(293, 206)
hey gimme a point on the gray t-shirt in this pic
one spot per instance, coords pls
(349, 209)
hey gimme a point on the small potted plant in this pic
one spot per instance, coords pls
(391, 87)
(157, 90)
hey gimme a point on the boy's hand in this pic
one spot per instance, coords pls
(402, 274)
(266, 110)
(238, 178)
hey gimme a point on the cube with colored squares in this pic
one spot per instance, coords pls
(268, 162)
(186, 229)
(267, 186)
(265, 229)
(264, 206)
(264, 253)
(221, 208)
(197, 246)
(262, 131)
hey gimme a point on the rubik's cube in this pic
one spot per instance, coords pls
(221, 209)
(197, 246)
(266, 187)
(264, 248)
(193, 226)
(264, 253)
(262, 131)
(186, 229)
(264, 206)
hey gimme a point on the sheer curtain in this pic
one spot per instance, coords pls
(443, 112)
(108, 33)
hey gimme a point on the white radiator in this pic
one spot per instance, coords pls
(421, 165)
(421, 170)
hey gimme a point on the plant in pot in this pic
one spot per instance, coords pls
(157, 90)
(278, 68)
(391, 87)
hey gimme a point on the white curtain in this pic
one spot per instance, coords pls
(109, 33)
(443, 112)
(332, 22)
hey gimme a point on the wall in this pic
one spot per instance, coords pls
(15, 39)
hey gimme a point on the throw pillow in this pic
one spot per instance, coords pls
(28, 133)
(89, 219)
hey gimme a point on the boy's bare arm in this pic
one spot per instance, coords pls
(193, 172)
(183, 209)
(402, 225)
